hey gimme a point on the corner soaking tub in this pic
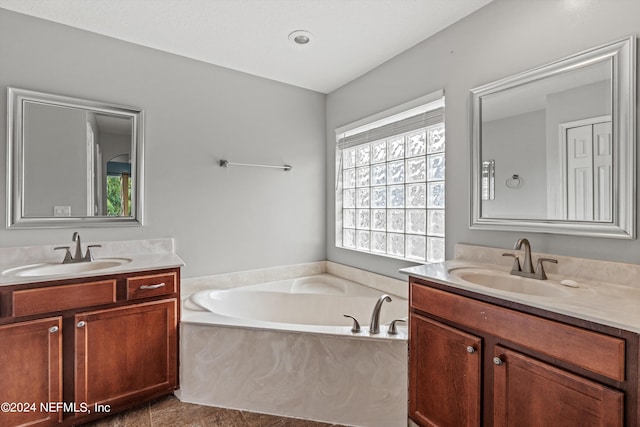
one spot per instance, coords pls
(285, 348)
(308, 304)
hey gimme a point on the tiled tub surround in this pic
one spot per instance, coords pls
(147, 254)
(323, 373)
(252, 277)
(608, 292)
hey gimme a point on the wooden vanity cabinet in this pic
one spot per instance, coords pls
(74, 346)
(480, 361)
(446, 363)
(126, 351)
(31, 372)
(527, 389)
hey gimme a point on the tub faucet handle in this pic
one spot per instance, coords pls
(392, 327)
(356, 326)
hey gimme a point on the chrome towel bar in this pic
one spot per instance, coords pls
(226, 164)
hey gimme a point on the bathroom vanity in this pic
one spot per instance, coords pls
(482, 356)
(76, 349)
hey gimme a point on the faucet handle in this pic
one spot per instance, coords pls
(356, 326)
(88, 256)
(392, 327)
(516, 262)
(540, 274)
(67, 255)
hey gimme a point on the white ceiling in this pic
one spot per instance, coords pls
(350, 37)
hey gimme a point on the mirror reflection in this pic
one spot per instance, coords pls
(554, 147)
(74, 161)
(550, 145)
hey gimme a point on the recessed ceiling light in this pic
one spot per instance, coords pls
(300, 37)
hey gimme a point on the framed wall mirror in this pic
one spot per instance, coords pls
(72, 162)
(553, 148)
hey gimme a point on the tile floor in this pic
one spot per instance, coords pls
(170, 412)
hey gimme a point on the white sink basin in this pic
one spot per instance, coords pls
(504, 281)
(56, 269)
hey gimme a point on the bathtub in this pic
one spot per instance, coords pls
(285, 348)
(315, 303)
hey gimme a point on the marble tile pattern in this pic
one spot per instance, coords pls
(385, 284)
(603, 292)
(382, 283)
(171, 412)
(189, 286)
(143, 254)
(300, 375)
(21, 255)
(580, 268)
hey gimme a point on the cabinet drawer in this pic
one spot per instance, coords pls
(593, 351)
(151, 285)
(65, 297)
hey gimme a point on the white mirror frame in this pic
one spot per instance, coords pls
(622, 53)
(15, 161)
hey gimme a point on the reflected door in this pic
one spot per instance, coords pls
(589, 163)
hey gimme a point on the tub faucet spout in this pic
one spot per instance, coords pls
(374, 326)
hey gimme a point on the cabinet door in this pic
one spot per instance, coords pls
(25, 386)
(125, 353)
(528, 392)
(444, 375)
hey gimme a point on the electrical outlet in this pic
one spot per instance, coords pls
(62, 211)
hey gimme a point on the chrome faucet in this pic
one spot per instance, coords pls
(527, 267)
(374, 325)
(76, 238)
(77, 257)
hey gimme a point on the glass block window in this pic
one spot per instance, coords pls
(390, 192)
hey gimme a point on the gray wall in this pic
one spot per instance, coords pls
(517, 145)
(196, 114)
(237, 219)
(503, 38)
(55, 157)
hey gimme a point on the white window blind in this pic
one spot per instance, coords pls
(390, 187)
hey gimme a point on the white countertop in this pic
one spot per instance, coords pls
(141, 255)
(609, 304)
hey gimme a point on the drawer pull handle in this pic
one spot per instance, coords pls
(471, 349)
(498, 361)
(81, 324)
(159, 285)
(53, 329)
